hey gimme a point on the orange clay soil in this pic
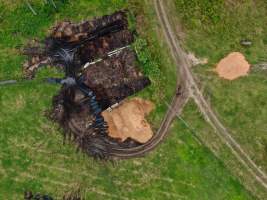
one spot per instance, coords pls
(233, 66)
(128, 120)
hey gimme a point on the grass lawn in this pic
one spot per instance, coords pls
(213, 29)
(32, 155)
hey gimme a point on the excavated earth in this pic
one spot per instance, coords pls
(97, 55)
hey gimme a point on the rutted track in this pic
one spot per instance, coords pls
(179, 100)
(177, 104)
(205, 108)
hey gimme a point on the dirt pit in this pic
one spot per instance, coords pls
(128, 121)
(233, 66)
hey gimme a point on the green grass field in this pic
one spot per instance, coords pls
(214, 29)
(33, 158)
(32, 155)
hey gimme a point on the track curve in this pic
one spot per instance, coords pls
(194, 92)
(181, 96)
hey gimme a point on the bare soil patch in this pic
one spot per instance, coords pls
(128, 120)
(233, 66)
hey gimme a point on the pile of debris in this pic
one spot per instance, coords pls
(79, 43)
(100, 70)
(115, 78)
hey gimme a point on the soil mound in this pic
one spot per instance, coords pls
(128, 120)
(233, 66)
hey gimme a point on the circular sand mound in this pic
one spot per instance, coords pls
(233, 66)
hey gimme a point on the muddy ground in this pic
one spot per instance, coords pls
(96, 54)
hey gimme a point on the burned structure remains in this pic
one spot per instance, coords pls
(101, 70)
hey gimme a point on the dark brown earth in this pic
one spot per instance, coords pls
(91, 39)
(75, 32)
(115, 78)
(96, 54)
(102, 45)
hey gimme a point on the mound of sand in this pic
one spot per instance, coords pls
(128, 120)
(233, 66)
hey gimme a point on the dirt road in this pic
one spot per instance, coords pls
(188, 81)
(177, 104)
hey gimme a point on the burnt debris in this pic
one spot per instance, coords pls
(100, 71)
(93, 39)
(121, 78)
(28, 195)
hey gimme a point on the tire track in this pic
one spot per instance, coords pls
(192, 87)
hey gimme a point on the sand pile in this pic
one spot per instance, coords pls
(128, 120)
(233, 66)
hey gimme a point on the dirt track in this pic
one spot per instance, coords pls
(177, 104)
(191, 86)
